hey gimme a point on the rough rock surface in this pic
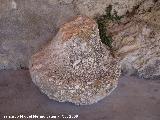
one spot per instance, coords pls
(26, 25)
(148, 6)
(137, 42)
(93, 7)
(75, 66)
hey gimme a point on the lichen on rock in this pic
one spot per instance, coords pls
(76, 66)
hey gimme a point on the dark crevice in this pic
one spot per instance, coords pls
(155, 1)
(102, 22)
(134, 10)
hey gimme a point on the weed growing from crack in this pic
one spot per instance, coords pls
(102, 21)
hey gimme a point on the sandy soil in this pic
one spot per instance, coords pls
(133, 99)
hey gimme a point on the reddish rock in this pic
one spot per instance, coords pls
(75, 66)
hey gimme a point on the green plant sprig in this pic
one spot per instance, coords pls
(102, 21)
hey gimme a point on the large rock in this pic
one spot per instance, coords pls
(137, 42)
(75, 66)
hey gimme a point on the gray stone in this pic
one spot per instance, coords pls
(26, 25)
(94, 7)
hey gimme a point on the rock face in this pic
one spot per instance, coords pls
(137, 42)
(75, 66)
(26, 25)
(93, 7)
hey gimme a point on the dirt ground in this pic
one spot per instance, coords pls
(133, 99)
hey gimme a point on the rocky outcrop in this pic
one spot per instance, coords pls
(26, 25)
(137, 42)
(75, 66)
